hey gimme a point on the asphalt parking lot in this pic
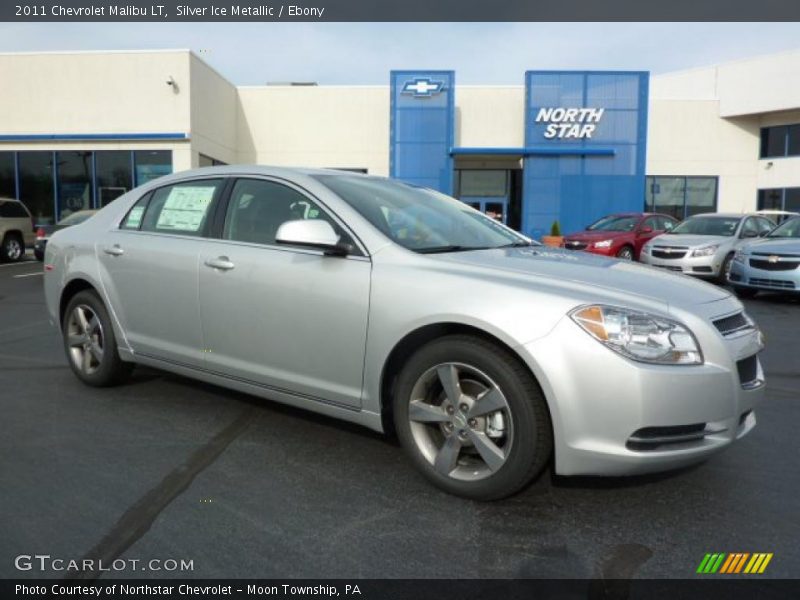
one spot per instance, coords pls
(164, 467)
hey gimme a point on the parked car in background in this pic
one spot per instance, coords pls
(43, 232)
(621, 235)
(778, 216)
(390, 305)
(704, 245)
(771, 263)
(16, 230)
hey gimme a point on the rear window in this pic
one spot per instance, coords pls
(13, 210)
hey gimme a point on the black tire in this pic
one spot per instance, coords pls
(109, 369)
(625, 253)
(744, 292)
(722, 278)
(12, 249)
(532, 438)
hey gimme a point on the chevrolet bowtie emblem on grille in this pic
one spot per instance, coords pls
(773, 259)
(668, 250)
(422, 87)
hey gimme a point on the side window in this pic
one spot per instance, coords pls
(12, 210)
(258, 208)
(765, 225)
(133, 220)
(4, 210)
(652, 222)
(181, 209)
(749, 229)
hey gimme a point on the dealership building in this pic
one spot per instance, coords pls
(78, 129)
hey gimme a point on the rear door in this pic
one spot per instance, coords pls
(149, 268)
(285, 317)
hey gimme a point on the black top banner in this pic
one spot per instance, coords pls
(405, 10)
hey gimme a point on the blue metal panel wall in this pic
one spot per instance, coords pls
(573, 189)
(421, 129)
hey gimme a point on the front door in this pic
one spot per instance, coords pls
(284, 317)
(486, 190)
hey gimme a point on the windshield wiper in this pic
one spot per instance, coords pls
(451, 248)
(519, 244)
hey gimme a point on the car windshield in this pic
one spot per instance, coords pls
(708, 226)
(420, 219)
(74, 219)
(618, 223)
(787, 229)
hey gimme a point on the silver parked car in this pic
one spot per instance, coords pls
(771, 263)
(394, 306)
(704, 245)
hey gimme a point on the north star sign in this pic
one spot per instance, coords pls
(569, 123)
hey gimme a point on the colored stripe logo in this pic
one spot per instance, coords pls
(734, 563)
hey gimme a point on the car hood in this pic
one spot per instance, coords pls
(690, 240)
(775, 246)
(582, 270)
(591, 236)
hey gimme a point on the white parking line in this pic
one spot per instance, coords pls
(20, 263)
(27, 275)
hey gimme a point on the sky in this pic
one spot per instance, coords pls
(364, 53)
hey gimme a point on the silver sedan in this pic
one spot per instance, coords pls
(771, 263)
(704, 245)
(400, 308)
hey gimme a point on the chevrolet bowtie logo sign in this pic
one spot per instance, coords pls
(773, 259)
(422, 87)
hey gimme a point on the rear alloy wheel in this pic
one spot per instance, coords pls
(625, 253)
(90, 343)
(472, 418)
(13, 249)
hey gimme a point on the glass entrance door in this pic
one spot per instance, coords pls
(486, 190)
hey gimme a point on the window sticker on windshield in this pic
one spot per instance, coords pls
(185, 208)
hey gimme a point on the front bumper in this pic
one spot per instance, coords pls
(699, 266)
(745, 275)
(602, 404)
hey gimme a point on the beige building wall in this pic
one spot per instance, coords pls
(315, 126)
(214, 114)
(489, 116)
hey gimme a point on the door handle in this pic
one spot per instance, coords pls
(114, 250)
(223, 263)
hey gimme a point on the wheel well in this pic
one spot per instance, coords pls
(415, 340)
(14, 232)
(72, 288)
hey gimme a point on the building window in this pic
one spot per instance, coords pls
(681, 196)
(75, 175)
(482, 183)
(151, 164)
(780, 141)
(114, 173)
(207, 161)
(36, 189)
(787, 199)
(8, 177)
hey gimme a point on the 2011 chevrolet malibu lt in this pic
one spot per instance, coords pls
(397, 307)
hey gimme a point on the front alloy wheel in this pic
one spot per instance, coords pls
(460, 421)
(472, 417)
(85, 339)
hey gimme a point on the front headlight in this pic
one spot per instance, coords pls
(645, 249)
(639, 336)
(706, 250)
(603, 244)
(739, 257)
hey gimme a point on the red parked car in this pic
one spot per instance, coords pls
(621, 235)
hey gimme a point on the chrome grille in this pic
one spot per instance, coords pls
(776, 264)
(668, 252)
(778, 284)
(575, 245)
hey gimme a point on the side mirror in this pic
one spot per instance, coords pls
(646, 230)
(749, 234)
(312, 233)
(763, 233)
